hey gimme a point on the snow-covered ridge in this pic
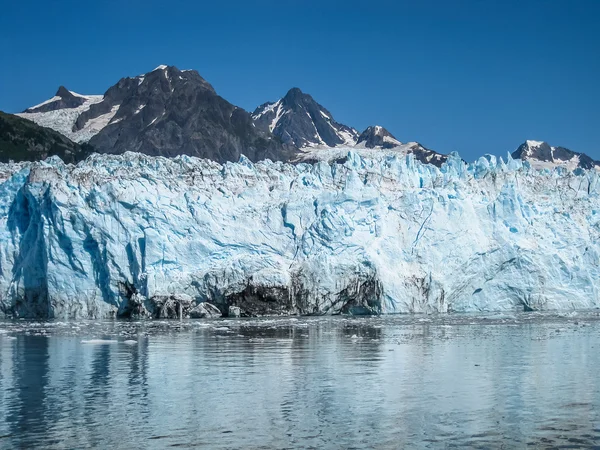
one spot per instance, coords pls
(50, 100)
(116, 235)
(63, 120)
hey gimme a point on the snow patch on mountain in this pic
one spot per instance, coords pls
(63, 120)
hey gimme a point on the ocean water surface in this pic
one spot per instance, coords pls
(514, 380)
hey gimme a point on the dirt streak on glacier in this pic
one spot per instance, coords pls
(139, 236)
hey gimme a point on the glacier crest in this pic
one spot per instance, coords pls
(140, 236)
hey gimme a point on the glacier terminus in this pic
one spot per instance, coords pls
(366, 232)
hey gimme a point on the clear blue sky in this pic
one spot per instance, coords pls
(472, 76)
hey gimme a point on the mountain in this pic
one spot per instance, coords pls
(23, 140)
(136, 235)
(299, 120)
(541, 155)
(165, 112)
(171, 112)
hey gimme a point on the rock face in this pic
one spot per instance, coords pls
(541, 155)
(23, 140)
(299, 120)
(170, 112)
(140, 236)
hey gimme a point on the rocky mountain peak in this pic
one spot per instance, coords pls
(299, 120)
(170, 112)
(64, 93)
(377, 136)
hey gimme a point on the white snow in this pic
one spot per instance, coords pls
(93, 126)
(349, 137)
(62, 120)
(79, 95)
(139, 109)
(485, 236)
(161, 67)
(268, 108)
(391, 140)
(570, 165)
(531, 143)
(279, 113)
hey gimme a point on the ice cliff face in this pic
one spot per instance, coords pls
(139, 235)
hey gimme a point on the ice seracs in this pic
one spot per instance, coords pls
(374, 232)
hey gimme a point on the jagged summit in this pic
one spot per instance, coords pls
(377, 137)
(541, 155)
(63, 99)
(64, 92)
(299, 120)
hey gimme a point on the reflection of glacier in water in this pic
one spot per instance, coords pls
(369, 233)
(385, 382)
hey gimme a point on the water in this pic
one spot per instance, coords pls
(330, 382)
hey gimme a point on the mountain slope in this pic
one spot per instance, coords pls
(541, 156)
(23, 140)
(299, 120)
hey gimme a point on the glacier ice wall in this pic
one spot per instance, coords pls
(383, 234)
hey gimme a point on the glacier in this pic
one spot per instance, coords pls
(368, 233)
